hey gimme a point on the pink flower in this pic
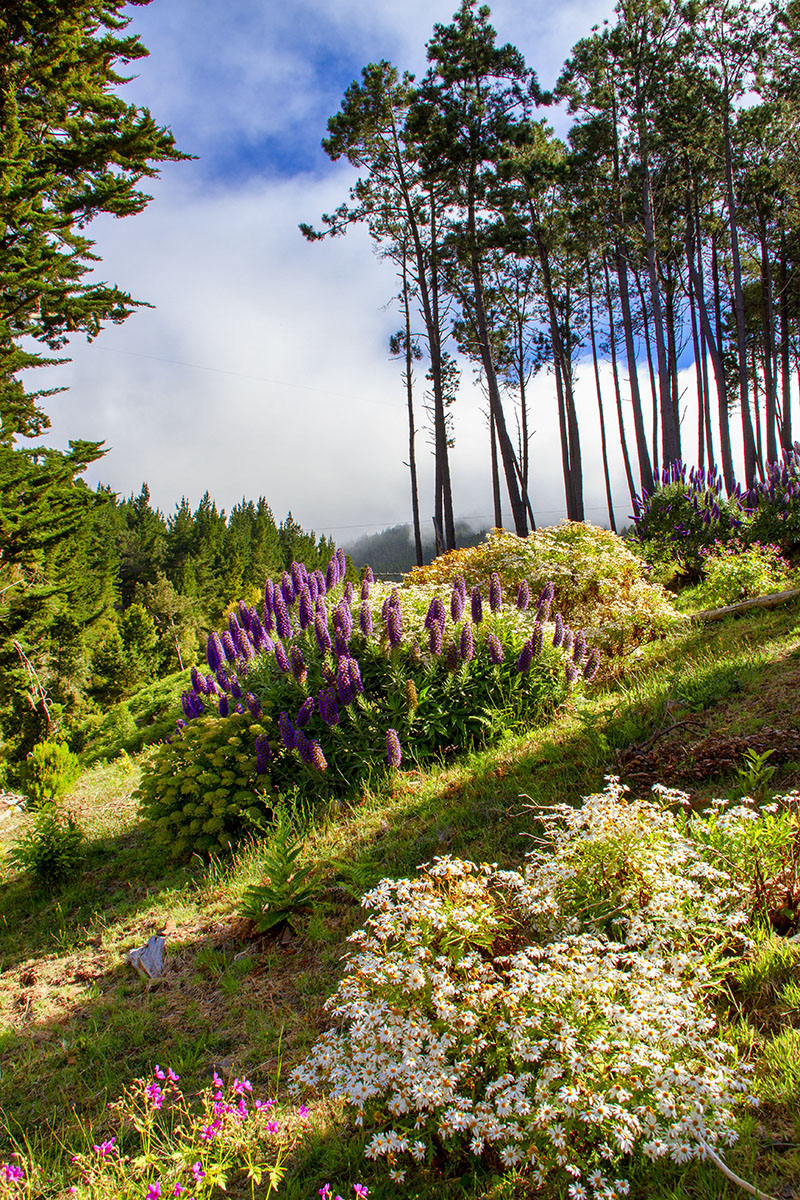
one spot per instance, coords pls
(217, 1082)
(171, 1076)
(154, 1094)
(240, 1086)
(154, 1191)
(302, 1110)
(325, 1191)
(360, 1190)
(176, 1191)
(12, 1171)
(158, 1073)
(104, 1148)
(198, 1172)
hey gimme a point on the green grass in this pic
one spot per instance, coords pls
(76, 1023)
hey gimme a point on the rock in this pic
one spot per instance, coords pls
(148, 960)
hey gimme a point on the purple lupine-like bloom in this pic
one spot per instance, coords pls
(476, 605)
(245, 615)
(523, 596)
(365, 586)
(180, 725)
(394, 625)
(461, 583)
(228, 648)
(354, 671)
(317, 758)
(592, 664)
(452, 656)
(435, 639)
(224, 707)
(187, 706)
(369, 576)
(343, 619)
(328, 708)
(457, 604)
(544, 602)
(348, 592)
(567, 639)
(214, 652)
(269, 594)
(305, 712)
(313, 588)
(365, 619)
(332, 575)
(223, 680)
(298, 664)
(299, 575)
(467, 647)
(431, 615)
(211, 686)
(198, 682)
(320, 581)
(234, 627)
(495, 592)
(322, 635)
(253, 704)
(536, 640)
(287, 591)
(305, 611)
(579, 649)
(287, 731)
(263, 754)
(571, 672)
(255, 627)
(340, 644)
(282, 622)
(303, 747)
(495, 649)
(525, 658)
(246, 646)
(394, 755)
(281, 658)
(342, 561)
(343, 685)
(236, 688)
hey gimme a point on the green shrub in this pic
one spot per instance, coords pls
(285, 887)
(49, 772)
(52, 848)
(735, 571)
(202, 791)
(774, 505)
(684, 518)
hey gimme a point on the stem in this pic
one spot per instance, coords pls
(729, 1174)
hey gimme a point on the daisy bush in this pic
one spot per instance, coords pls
(551, 1019)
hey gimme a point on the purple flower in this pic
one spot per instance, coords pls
(236, 688)
(253, 704)
(525, 658)
(228, 647)
(340, 646)
(263, 755)
(476, 605)
(558, 635)
(332, 575)
(457, 603)
(245, 615)
(303, 747)
(269, 595)
(234, 629)
(368, 574)
(14, 1173)
(365, 619)
(354, 671)
(282, 622)
(536, 640)
(394, 755)
(257, 632)
(342, 561)
(287, 731)
(281, 658)
(224, 708)
(348, 593)
(305, 712)
(435, 639)
(320, 582)
(343, 684)
(305, 607)
(592, 664)
(495, 649)
(322, 635)
(571, 672)
(222, 679)
(246, 646)
(452, 656)
(467, 643)
(287, 594)
(328, 708)
(523, 596)
(365, 586)
(198, 1172)
(154, 1191)
(394, 625)
(299, 576)
(214, 652)
(198, 682)
(495, 592)
(567, 639)
(298, 665)
(461, 583)
(313, 587)
(343, 619)
(579, 650)
(317, 758)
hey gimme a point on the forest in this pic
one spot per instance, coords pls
(465, 864)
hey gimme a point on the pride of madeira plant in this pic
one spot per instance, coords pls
(323, 687)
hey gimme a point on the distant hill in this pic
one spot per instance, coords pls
(391, 552)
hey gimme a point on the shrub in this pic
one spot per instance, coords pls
(735, 571)
(599, 583)
(202, 790)
(52, 848)
(49, 772)
(285, 887)
(774, 504)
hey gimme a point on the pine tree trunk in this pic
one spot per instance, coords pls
(412, 454)
(603, 442)
(617, 390)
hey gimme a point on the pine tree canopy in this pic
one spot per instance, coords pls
(70, 149)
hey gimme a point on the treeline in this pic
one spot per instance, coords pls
(101, 595)
(391, 552)
(666, 226)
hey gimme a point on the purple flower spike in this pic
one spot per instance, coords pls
(343, 685)
(592, 664)
(246, 646)
(305, 712)
(287, 591)
(435, 639)
(187, 705)
(317, 758)
(431, 616)
(544, 602)
(263, 755)
(348, 592)
(214, 652)
(343, 619)
(228, 647)
(394, 755)
(476, 605)
(365, 586)
(298, 664)
(457, 603)
(223, 706)
(245, 615)
(282, 622)
(354, 671)
(269, 619)
(321, 583)
(198, 682)
(461, 583)
(281, 658)
(495, 649)
(452, 656)
(299, 574)
(236, 688)
(495, 593)
(525, 659)
(306, 608)
(342, 561)
(567, 640)
(536, 640)
(328, 708)
(579, 649)
(303, 747)
(211, 686)
(571, 672)
(332, 575)
(287, 729)
(222, 679)
(558, 635)
(394, 626)
(321, 631)
(312, 586)
(467, 643)
(340, 645)
(365, 619)
(523, 596)
(256, 630)
(269, 595)
(369, 577)
(253, 704)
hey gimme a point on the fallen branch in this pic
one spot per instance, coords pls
(717, 614)
(729, 1174)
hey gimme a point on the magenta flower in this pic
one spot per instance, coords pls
(394, 755)
(495, 593)
(198, 1172)
(361, 1190)
(105, 1148)
(476, 603)
(12, 1172)
(154, 1191)
(523, 596)
(495, 649)
(154, 1095)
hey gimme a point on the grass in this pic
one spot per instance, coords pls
(76, 1023)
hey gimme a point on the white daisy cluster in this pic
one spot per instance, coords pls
(514, 1016)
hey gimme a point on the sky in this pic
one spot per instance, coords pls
(262, 367)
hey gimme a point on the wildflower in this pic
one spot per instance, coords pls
(214, 652)
(298, 665)
(105, 1148)
(579, 649)
(282, 622)
(236, 688)
(154, 1191)
(253, 704)
(321, 632)
(12, 1172)
(558, 635)
(198, 682)
(228, 647)
(282, 658)
(344, 684)
(317, 758)
(154, 1095)
(224, 708)
(332, 574)
(289, 740)
(435, 638)
(523, 596)
(393, 753)
(287, 593)
(198, 1172)
(592, 664)
(495, 649)
(457, 603)
(354, 671)
(536, 640)
(476, 605)
(467, 644)
(305, 712)
(365, 619)
(361, 1191)
(365, 586)
(525, 658)
(394, 625)
(571, 672)
(495, 593)
(305, 609)
(263, 756)
(303, 747)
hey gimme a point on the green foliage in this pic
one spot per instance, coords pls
(143, 719)
(52, 848)
(600, 584)
(682, 521)
(50, 770)
(286, 886)
(201, 792)
(736, 572)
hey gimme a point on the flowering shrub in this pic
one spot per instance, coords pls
(551, 1018)
(202, 789)
(599, 583)
(735, 571)
(168, 1144)
(686, 515)
(774, 504)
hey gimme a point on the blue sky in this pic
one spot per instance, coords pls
(263, 368)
